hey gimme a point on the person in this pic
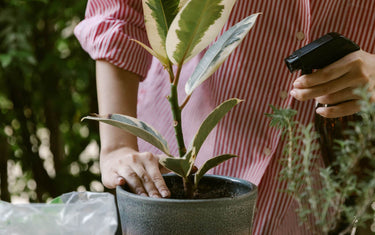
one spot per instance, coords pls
(131, 82)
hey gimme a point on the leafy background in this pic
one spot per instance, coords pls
(47, 83)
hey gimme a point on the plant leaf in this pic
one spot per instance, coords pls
(56, 200)
(180, 166)
(177, 165)
(159, 15)
(190, 157)
(211, 121)
(152, 52)
(135, 127)
(182, 4)
(219, 51)
(195, 26)
(210, 164)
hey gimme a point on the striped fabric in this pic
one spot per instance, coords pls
(255, 72)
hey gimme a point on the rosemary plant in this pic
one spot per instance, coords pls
(340, 198)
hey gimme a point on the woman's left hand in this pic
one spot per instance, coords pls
(335, 83)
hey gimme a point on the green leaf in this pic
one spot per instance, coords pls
(56, 200)
(159, 15)
(281, 118)
(195, 27)
(190, 157)
(176, 165)
(5, 60)
(211, 121)
(182, 4)
(5, 103)
(219, 51)
(152, 52)
(211, 163)
(135, 127)
(180, 166)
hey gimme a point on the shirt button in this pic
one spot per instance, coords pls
(283, 95)
(300, 36)
(267, 151)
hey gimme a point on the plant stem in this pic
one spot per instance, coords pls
(185, 102)
(170, 72)
(177, 77)
(188, 188)
(176, 112)
(290, 149)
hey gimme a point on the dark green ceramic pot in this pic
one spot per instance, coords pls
(229, 213)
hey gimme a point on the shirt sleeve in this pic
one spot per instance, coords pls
(107, 30)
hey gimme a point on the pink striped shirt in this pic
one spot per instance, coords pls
(255, 72)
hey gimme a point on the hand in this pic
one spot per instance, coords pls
(334, 84)
(140, 171)
(120, 164)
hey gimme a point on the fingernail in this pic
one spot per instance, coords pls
(297, 84)
(292, 93)
(155, 196)
(144, 195)
(319, 111)
(121, 181)
(164, 193)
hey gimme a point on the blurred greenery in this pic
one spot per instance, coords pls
(47, 83)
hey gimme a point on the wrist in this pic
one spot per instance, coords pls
(110, 148)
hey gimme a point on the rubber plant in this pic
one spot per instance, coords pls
(177, 31)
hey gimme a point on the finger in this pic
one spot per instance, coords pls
(157, 179)
(147, 182)
(329, 73)
(151, 165)
(340, 110)
(111, 180)
(338, 97)
(162, 169)
(330, 87)
(133, 181)
(120, 181)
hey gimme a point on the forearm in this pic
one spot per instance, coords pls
(117, 93)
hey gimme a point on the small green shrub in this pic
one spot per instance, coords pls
(339, 197)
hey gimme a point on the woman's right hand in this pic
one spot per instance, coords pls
(140, 171)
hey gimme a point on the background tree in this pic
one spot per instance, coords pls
(46, 85)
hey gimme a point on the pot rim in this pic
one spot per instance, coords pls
(252, 193)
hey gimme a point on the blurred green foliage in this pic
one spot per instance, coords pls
(47, 83)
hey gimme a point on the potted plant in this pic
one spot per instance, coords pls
(200, 204)
(340, 198)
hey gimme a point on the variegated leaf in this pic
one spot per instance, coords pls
(190, 156)
(182, 4)
(180, 166)
(196, 25)
(211, 163)
(135, 127)
(152, 52)
(211, 121)
(159, 14)
(175, 165)
(219, 51)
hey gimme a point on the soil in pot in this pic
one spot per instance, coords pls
(208, 188)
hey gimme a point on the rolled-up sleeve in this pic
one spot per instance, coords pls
(107, 30)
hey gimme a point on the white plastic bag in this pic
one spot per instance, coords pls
(78, 213)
